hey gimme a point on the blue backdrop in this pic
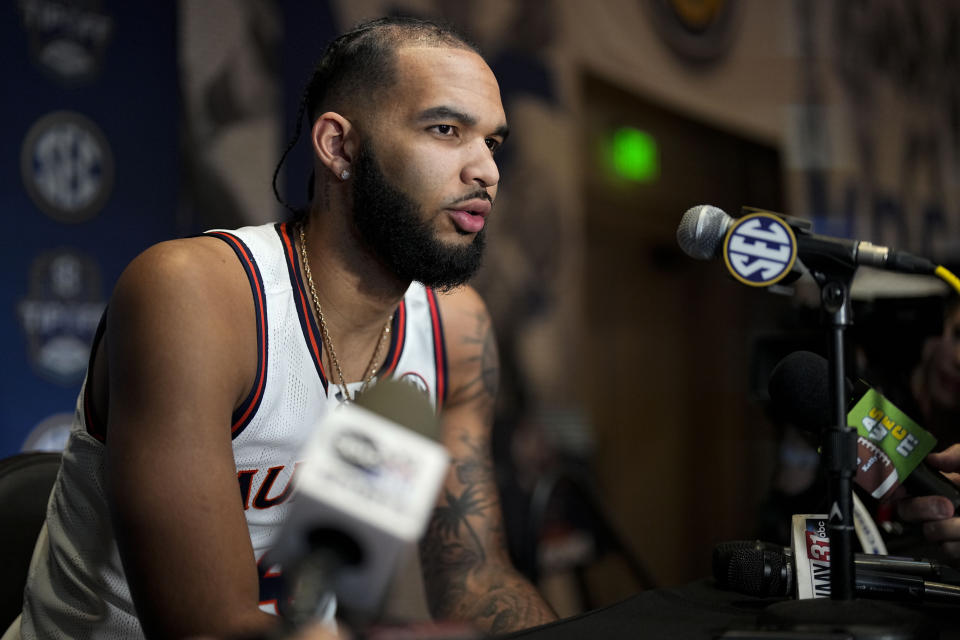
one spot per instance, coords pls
(90, 179)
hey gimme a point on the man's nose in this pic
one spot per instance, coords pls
(480, 168)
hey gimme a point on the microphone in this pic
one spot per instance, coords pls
(767, 570)
(798, 385)
(725, 552)
(704, 229)
(368, 484)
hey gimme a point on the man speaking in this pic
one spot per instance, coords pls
(220, 354)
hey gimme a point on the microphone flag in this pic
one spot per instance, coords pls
(810, 542)
(760, 249)
(889, 444)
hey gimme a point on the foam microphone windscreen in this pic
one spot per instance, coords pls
(799, 388)
(752, 567)
(402, 403)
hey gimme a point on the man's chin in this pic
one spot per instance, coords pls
(455, 240)
(453, 274)
(458, 240)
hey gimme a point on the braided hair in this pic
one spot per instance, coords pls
(361, 62)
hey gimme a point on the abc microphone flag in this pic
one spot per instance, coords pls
(369, 482)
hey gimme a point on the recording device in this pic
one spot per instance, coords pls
(798, 386)
(704, 229)
(767, 570)
(368, 484)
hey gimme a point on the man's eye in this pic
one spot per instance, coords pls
(444, 129)
(493, 144)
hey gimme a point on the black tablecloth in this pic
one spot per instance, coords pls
(700, 610)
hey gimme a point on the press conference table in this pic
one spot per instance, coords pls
(696, 610)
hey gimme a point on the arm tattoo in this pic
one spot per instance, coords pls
(444, 547)
(463, 553)
(484, 360)
(462, 580)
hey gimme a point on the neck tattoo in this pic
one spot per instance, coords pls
(327, 343)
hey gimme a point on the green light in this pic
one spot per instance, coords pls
(634, 155)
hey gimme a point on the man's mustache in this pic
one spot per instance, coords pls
(477, 195)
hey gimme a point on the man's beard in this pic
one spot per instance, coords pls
(394, 228)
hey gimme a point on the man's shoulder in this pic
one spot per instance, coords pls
(201, 271)
(463, 314)
(195, 260)
(468, 336)
(187, 298)
(461, 300)
(216, 249)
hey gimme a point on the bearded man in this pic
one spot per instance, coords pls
(220, 354)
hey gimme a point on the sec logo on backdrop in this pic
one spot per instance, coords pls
(67, 166)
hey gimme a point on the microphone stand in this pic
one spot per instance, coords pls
(858, 618)
(840, 440)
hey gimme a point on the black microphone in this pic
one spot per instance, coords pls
(767, 570)
(774, 568)
(798, 386)
(703, 228)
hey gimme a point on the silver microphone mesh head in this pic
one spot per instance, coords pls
(701, 231)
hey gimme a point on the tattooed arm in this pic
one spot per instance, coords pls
(467, 571)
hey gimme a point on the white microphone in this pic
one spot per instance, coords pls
(368, 484)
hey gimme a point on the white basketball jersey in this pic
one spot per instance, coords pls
(76, 586)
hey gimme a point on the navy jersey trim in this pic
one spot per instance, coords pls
(248, 408)
(398, 339)
(439, 347)
(95, 427)
(301, 300)
(270, 578)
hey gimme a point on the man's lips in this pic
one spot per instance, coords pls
(476, 206)
(469, 216)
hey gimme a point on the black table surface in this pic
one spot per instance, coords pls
(701, 610)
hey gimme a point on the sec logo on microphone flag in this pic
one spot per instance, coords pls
(760, 249)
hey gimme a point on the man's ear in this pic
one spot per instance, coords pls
(334, 143)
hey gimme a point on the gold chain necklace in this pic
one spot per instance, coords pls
(327, 343)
